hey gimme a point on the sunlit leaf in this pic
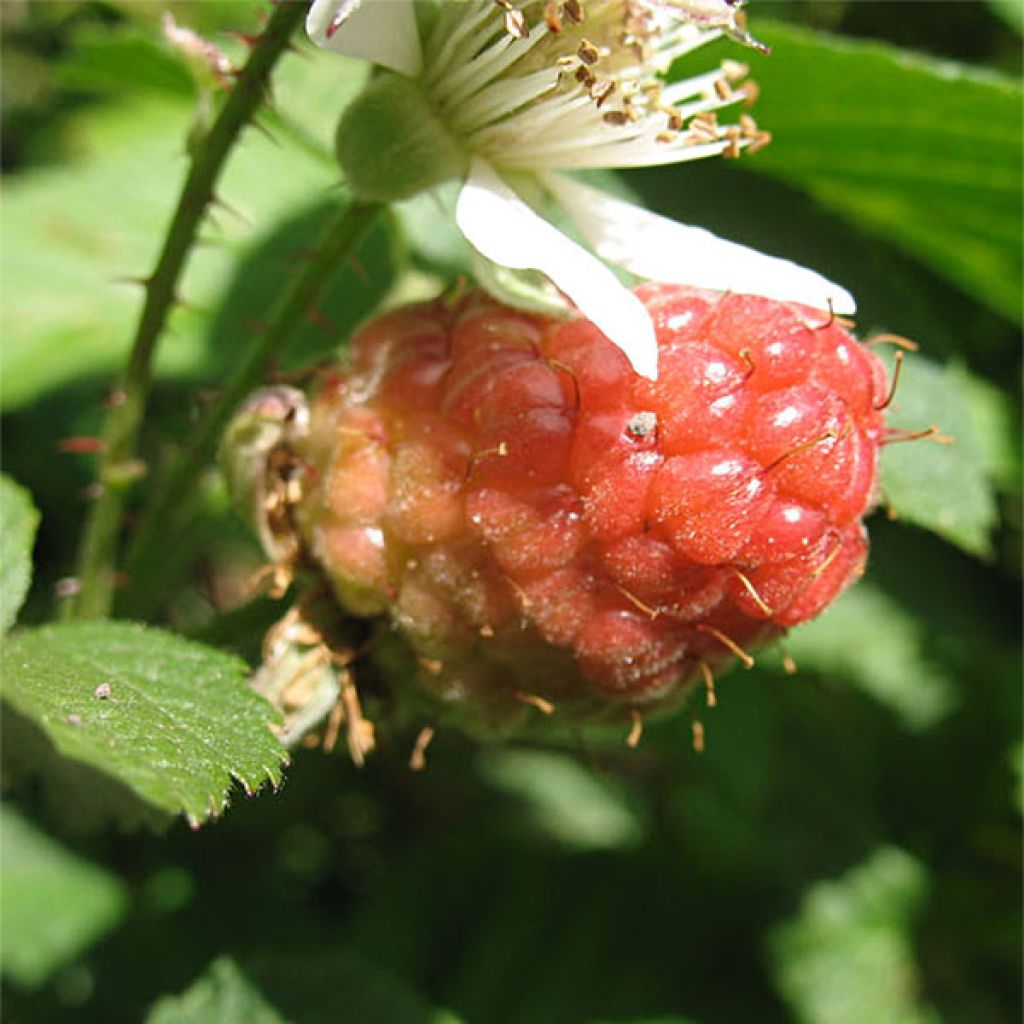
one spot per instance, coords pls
(55, 905)
(77, 238)
(996, 429)
(565, 800)
(847, 957)
(338, 986)
(1011, 11)
(223, 994)
(171, 719)
(939, 483)
(18, 522)
(924, 153)
(867, 638)
(102, 61)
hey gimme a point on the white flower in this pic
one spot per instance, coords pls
(511, 92)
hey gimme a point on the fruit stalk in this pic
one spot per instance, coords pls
(118, 467)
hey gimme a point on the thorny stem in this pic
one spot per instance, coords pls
(340, 238)
(117, 468)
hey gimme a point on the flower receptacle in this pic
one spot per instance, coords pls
(391, 145)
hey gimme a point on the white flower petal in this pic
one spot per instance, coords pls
(381, 31)
(662, 250)
(505, 230)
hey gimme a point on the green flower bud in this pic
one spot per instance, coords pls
(391, 144)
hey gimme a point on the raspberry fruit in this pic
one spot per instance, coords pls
(541, 523)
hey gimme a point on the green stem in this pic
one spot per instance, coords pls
(340, 239)
(118, 467)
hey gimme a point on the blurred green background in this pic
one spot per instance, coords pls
(847, 849)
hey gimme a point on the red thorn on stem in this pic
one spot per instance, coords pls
(223, 204)
(81, 445)
(247, 39)
(185, 304)
(320, 319)
(136, 281)
(264, 131)
(358, 269)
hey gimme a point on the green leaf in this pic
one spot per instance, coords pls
(71, 256)
(924, 153)
(171, 719)
(333, 986)
(223, 994)
(995, 427)
(893, 667)
(1011, 11)
(940, 486)
(564, 800)
(848, 957)
(18, 522)
(55, 904)
(103, 60)
(338, 986)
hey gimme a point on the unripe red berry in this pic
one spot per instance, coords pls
(536, 518)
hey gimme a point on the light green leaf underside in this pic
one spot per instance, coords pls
(995, 428)
(848, 957)
(924, 153)
(1011, 11)
(868, 639)
(942, 487)
(564, 800)
(332, 986)
(76, 236)
(179, 721)
(223, 994)
(55, 905)
(18, 522)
